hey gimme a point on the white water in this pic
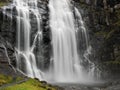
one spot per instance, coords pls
(66, 61)
(88, 48)
(26, 61)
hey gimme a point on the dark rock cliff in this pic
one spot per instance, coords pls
(102, 19)
(8, 33)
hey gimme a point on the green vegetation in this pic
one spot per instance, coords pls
(30, 84)
(3, 4)
(101, 33)
(117, 23)
(5, 79)
(112, 63)
(105, 34)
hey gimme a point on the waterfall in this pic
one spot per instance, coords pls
(67, 63)
(26, 60)
(71, 49)
(65, 57)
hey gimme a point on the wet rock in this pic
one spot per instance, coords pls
(43, 82)
(100, 17)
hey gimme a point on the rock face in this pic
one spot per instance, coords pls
(102, 18)
(8, 33)
(7, 36)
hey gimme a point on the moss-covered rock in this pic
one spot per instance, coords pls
(4, 2)
(5, 79)
(30, 84)
(26, 84)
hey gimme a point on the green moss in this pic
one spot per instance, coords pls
(18, 79)
(31, 84)
(5, 79)
(105, 34)
(3, 4)
(117, 21)
(109, 34)
(101, 33)
(113, 62)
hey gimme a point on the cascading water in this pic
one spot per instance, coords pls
(65, 56)
(26, 61)
(66, 64)
(85, 50)
(66, 60)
